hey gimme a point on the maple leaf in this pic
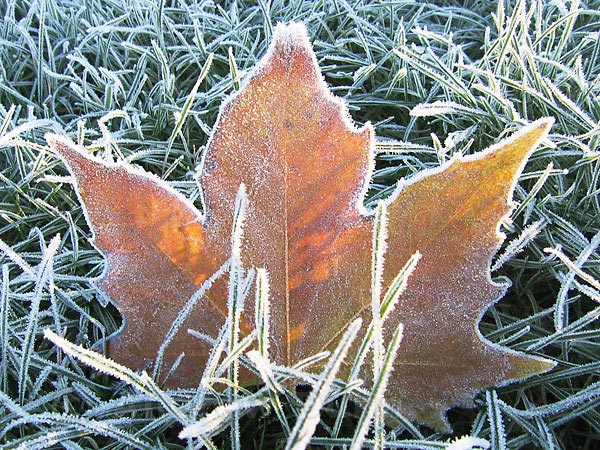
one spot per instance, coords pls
(306, 169)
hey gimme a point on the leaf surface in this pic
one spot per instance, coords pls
(306, 169)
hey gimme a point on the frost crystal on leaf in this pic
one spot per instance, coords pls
(306, 168)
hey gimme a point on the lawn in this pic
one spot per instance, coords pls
(435, 79)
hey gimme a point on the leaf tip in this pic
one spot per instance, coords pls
(540, 128)
(544, 123)
(514, 150)
(291, 34)
(65, 148)
(530, 136)
(56, 141)
(524, 366)
(435, 417)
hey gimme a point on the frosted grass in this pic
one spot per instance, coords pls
(466, 80)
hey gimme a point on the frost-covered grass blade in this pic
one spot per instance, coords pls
(494, 66)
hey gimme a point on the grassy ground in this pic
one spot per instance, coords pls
(442, 77)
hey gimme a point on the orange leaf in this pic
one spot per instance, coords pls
(306, 169)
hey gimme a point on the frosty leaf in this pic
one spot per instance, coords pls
(156, 257)
(306, 169)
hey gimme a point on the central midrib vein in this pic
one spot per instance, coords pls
(286, 258)
(288, 342)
